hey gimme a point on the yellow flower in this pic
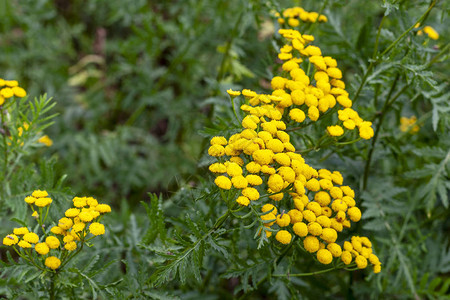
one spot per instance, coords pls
(65, 223)
(366, 132)
(78, 227)
(432, 33)
(324, 256)
(52, 262)
(103, 208)
(335, 130)
(57, 230)
(300, 229)
(7, 92)
(24, 244)
(242, 200)
(270, 218)
(377, 268)
(19, 92)
(263, 156)
(10, 239)
(313, 113)
(233, 169)
(216, 150)
(79, 201)
(20, 231)
(284, 237)
(39, 194)
(311, 243)
(313, 185)
(72, 212)
(314, 207)
(297, 115)
(233, 93)
(223, 182)
(354, 214)
(295, 215)
(30, 199)
(283, 220)
(254, 180)
(45, 140)
(70, 246)
(314, 228)
(52, 242)
(269, 207)
(346, 257)
(329, 235)
(309, 215)
(86, 216)
(42, 202)
(275, 183)
(251, 193)
(278, 82)
(97, 228)
(324, 221)
(239, 182)
(31, 237)
(335, 249)
(361, 262)
(42, 248)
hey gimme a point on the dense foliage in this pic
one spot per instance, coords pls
(123, 99)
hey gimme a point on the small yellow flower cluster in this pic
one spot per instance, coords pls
(430, 31)
(295, 15)
(360, 249)
(70, 229)
(9, 89)
(409, 124)
(261, 157)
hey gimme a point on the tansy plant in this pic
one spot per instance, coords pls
(49, 248)
(265, 172)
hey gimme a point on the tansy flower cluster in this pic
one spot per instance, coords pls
(297, 199)
(409, 124)
(430, 31)
(12, 89)
(55, 248)
(9, 89)
(296, 15)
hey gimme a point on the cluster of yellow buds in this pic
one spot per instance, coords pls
(295, 15)
(54, 248)
(430, 31)
(12, 89)
(409, 124)
(297, 199)
(9, 89)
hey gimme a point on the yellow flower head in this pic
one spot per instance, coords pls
(97, 228)
(42, 248)
(31, 237)
(52, 262)
(39, 194)
(324, 256)
(283, 236)
(20, 231)
(10, 239)
(52, 242)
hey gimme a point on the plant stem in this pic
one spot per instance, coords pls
(305, 274)
(376, 60)
(5, 144)
(52, 286)
(387, 104)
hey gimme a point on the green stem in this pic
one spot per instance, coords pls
(234, 109)
(387, 104)
(52, 286)
(305, 274)
(5, 143)
(311, 29)
(376, 60)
